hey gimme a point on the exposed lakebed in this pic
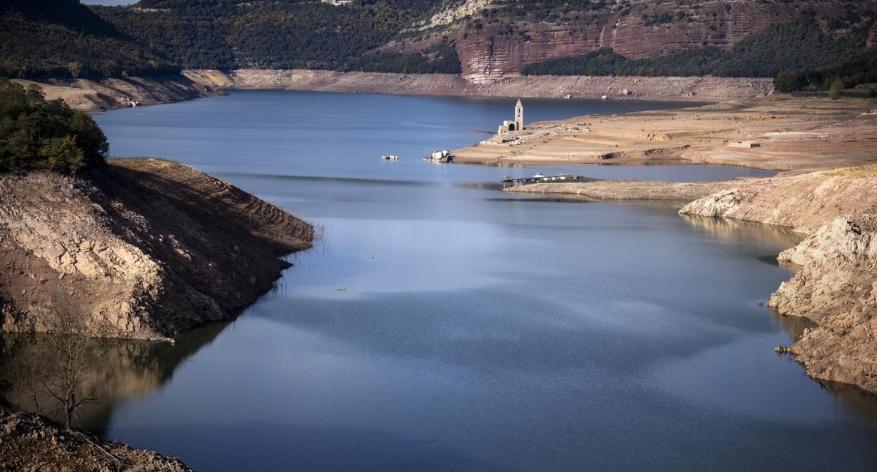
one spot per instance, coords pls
(442, 325)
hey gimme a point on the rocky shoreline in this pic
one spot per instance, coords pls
(143, 248)
(107, 94)
(835, 284)
(30, 442)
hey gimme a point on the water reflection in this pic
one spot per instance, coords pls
(116, 370)
(736, 230)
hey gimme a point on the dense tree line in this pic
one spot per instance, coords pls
(439, 59)
(797, 45)
(227, 34)
(61, 38)
(862, 69)
(40, 134)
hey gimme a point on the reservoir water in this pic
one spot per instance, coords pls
(440, 324)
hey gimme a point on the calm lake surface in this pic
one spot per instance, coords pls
(440, 324)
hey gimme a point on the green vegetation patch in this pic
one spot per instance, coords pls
(439, 59)
(63, 39)
(855, 72)
(225, 34)
(40, 134)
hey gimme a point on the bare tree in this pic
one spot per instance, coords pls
(67, 370)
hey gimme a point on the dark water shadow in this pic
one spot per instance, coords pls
(261, 446)
(116, 370)
(860, 402)
(345, 180)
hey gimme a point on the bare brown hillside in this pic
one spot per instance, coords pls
(143, 248)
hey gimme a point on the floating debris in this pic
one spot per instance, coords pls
(443, 156)
(780, 349)
(539, 178)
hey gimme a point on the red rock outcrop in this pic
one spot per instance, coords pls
(490, 50)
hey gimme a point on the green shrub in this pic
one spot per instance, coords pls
(861, 69)
(40, 134)
(835, 89)
(789, 81)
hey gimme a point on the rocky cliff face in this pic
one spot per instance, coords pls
(835, 285)
(490, 49)
(142, 249)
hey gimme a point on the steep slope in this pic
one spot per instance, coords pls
(141, 249)
(512, 34)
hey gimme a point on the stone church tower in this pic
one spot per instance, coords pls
(508, 127)
(519, 116)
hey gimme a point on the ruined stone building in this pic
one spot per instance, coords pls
(508, 127)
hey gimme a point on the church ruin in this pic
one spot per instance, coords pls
(509, 127)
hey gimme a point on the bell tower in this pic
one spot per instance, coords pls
(519, 116)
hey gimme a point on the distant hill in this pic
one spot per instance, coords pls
(61, 38)
(281, 34)
(484, 40)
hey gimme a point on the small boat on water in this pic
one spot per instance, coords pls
(389, 157)
(538, 175)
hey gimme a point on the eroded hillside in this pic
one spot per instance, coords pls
(143, 248)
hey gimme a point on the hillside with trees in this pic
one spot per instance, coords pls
(224, 34)
(40, 134)
(808, 41)
(63, 39)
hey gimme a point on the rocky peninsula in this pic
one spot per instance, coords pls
(142, 248)
(776, 133)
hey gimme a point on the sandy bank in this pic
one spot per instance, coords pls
(787, 133)
(626, 189)
(91, 95)
(116, 93)
(142, 249)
